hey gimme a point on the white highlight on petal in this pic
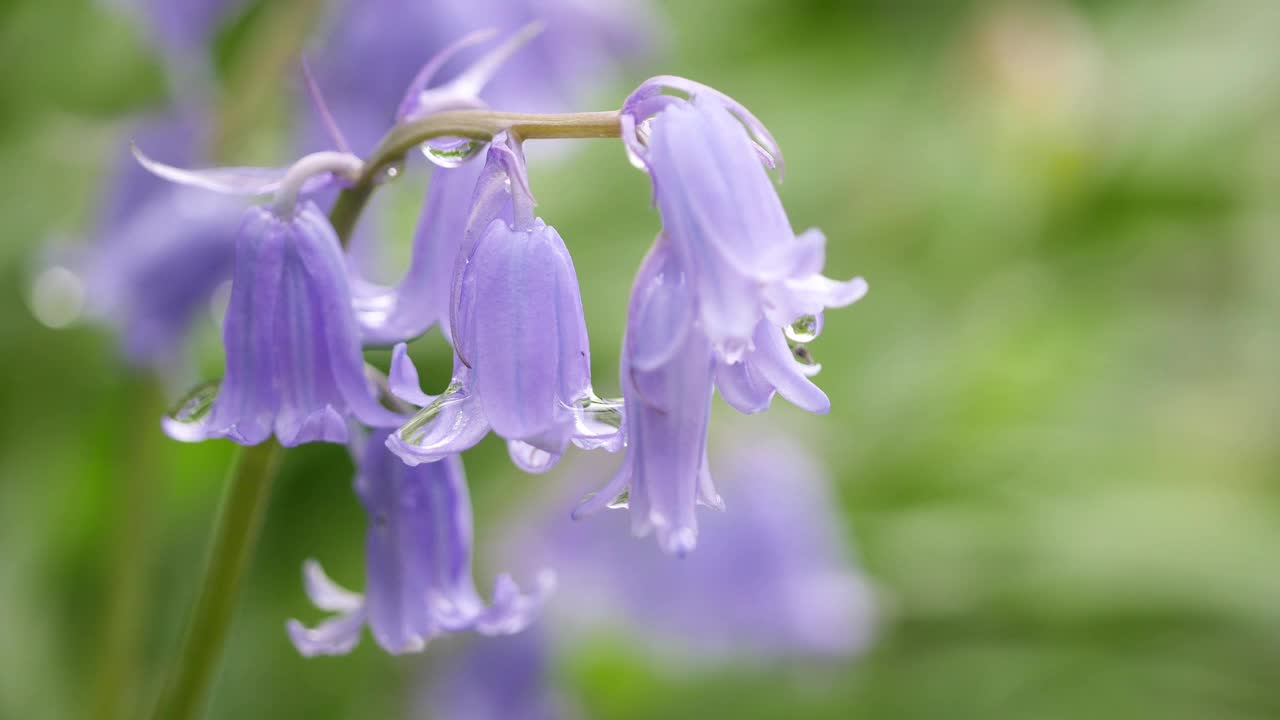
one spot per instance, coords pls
(324, 593)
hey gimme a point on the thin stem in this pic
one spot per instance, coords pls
(238, 525)
(342, 164)
(470, 124)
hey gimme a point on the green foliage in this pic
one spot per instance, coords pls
(1054, 414)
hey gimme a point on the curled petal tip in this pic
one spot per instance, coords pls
(230, 180)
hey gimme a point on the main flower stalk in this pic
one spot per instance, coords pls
(249, 485)
(480, 125)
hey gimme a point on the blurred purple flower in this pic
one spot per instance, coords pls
(421, 299)
(522, 364)
(182, 26)
(418, 571)
(372, 49)
(772, 576)
(506, 678)
(159, 252)
(723, 216)
(293, 363)
(667, 407)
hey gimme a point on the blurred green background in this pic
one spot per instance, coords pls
(1054, 415)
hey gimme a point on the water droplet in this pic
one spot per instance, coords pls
(597, 423)
(57, 297)
(390, 172)
(802, 355)
(451, 152)
(414, 431)
(805, 330)
(195, 405)
(622, 502)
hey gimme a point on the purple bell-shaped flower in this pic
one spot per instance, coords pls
(723, 216)
(293, 362)
(522, 360)
(418, 565)
(667, 386)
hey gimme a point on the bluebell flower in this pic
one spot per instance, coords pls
(502, 678)
(372, 50)
(292, 345)
(159, 251)
(667, 370)
(522, 359)
(723, 216)
(418, 565)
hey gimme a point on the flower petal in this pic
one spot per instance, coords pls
(229, 180)
(742, 388)
(775, 365)
(452, 423)
(338, 635)
(531, 459)
(514, 325)
(403, 378)
(324, 593)
(663, 310)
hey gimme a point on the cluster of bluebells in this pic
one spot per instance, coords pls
(720, 303)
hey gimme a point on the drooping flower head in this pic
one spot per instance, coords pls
(723, 216)
(292, 347)
(710, 303)
(418, 565)
(522, 359)
(667, 386)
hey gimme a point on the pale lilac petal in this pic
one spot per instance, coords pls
(248, 398)
(428, 71)
(516, 376)
(338, 635)
(664, 311)
(512, 610)
(332, 295)
(452, 423)
(609, 494)
(246, 181)
(464, 90)
(794, 298)
(531, 459)
(666, 437)
(421, 299)
(403, 378)
(293, 360)
(742, 388)
(775, 364)
(574, 346)
(326, 594)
